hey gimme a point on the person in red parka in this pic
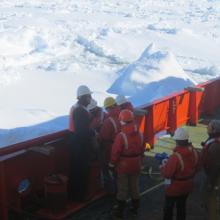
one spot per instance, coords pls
(111, 125)
(109, 130)
(179, 171)
(126, 159)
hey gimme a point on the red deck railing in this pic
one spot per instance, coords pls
(180, 108)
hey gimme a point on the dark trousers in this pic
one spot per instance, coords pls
(79, 168)
(108, 179)
(170, 203)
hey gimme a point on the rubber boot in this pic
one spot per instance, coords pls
(118, 210)
(135, 203)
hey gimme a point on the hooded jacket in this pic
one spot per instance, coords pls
(180, 169)
(211, 161)
(127, 150)
(127, 105)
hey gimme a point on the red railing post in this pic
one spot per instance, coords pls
(149, 131)
(146, 126)
(172, 121)
(195, 106)
(3, 193)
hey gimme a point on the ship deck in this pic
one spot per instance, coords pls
(152, 188)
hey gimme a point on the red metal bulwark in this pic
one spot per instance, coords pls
(20, 162)
(3, 194)
(183, 107)
(211, 97)
(34, 160)
(26, 161)
(156, 120)
(195, 106)
(179, 110)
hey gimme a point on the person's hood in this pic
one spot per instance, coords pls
(183, 150)
(214, 135)
(127, 105)
(130, 128)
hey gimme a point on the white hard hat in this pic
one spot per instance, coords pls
(181, 134)
(92, 105)
(120, 99)
(83, 90)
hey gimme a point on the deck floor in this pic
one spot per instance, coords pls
(151, 205)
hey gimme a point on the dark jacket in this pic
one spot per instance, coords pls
(211, 159)
(81, 136)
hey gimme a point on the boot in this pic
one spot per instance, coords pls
(118, 210)
(135, 203)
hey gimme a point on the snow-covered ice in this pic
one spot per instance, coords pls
(48, 48)
(154, 75)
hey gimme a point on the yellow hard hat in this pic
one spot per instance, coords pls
(108, 102)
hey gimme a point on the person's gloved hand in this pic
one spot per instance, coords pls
(164, 161)
(203, 143)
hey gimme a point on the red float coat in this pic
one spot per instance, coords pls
(111, 125)
(127, 150)
(110, 128)
(180, 169)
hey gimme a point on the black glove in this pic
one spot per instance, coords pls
(203, 143)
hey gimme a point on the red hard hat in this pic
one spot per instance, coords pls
(126, 115)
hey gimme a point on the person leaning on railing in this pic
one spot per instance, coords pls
(81, 141)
